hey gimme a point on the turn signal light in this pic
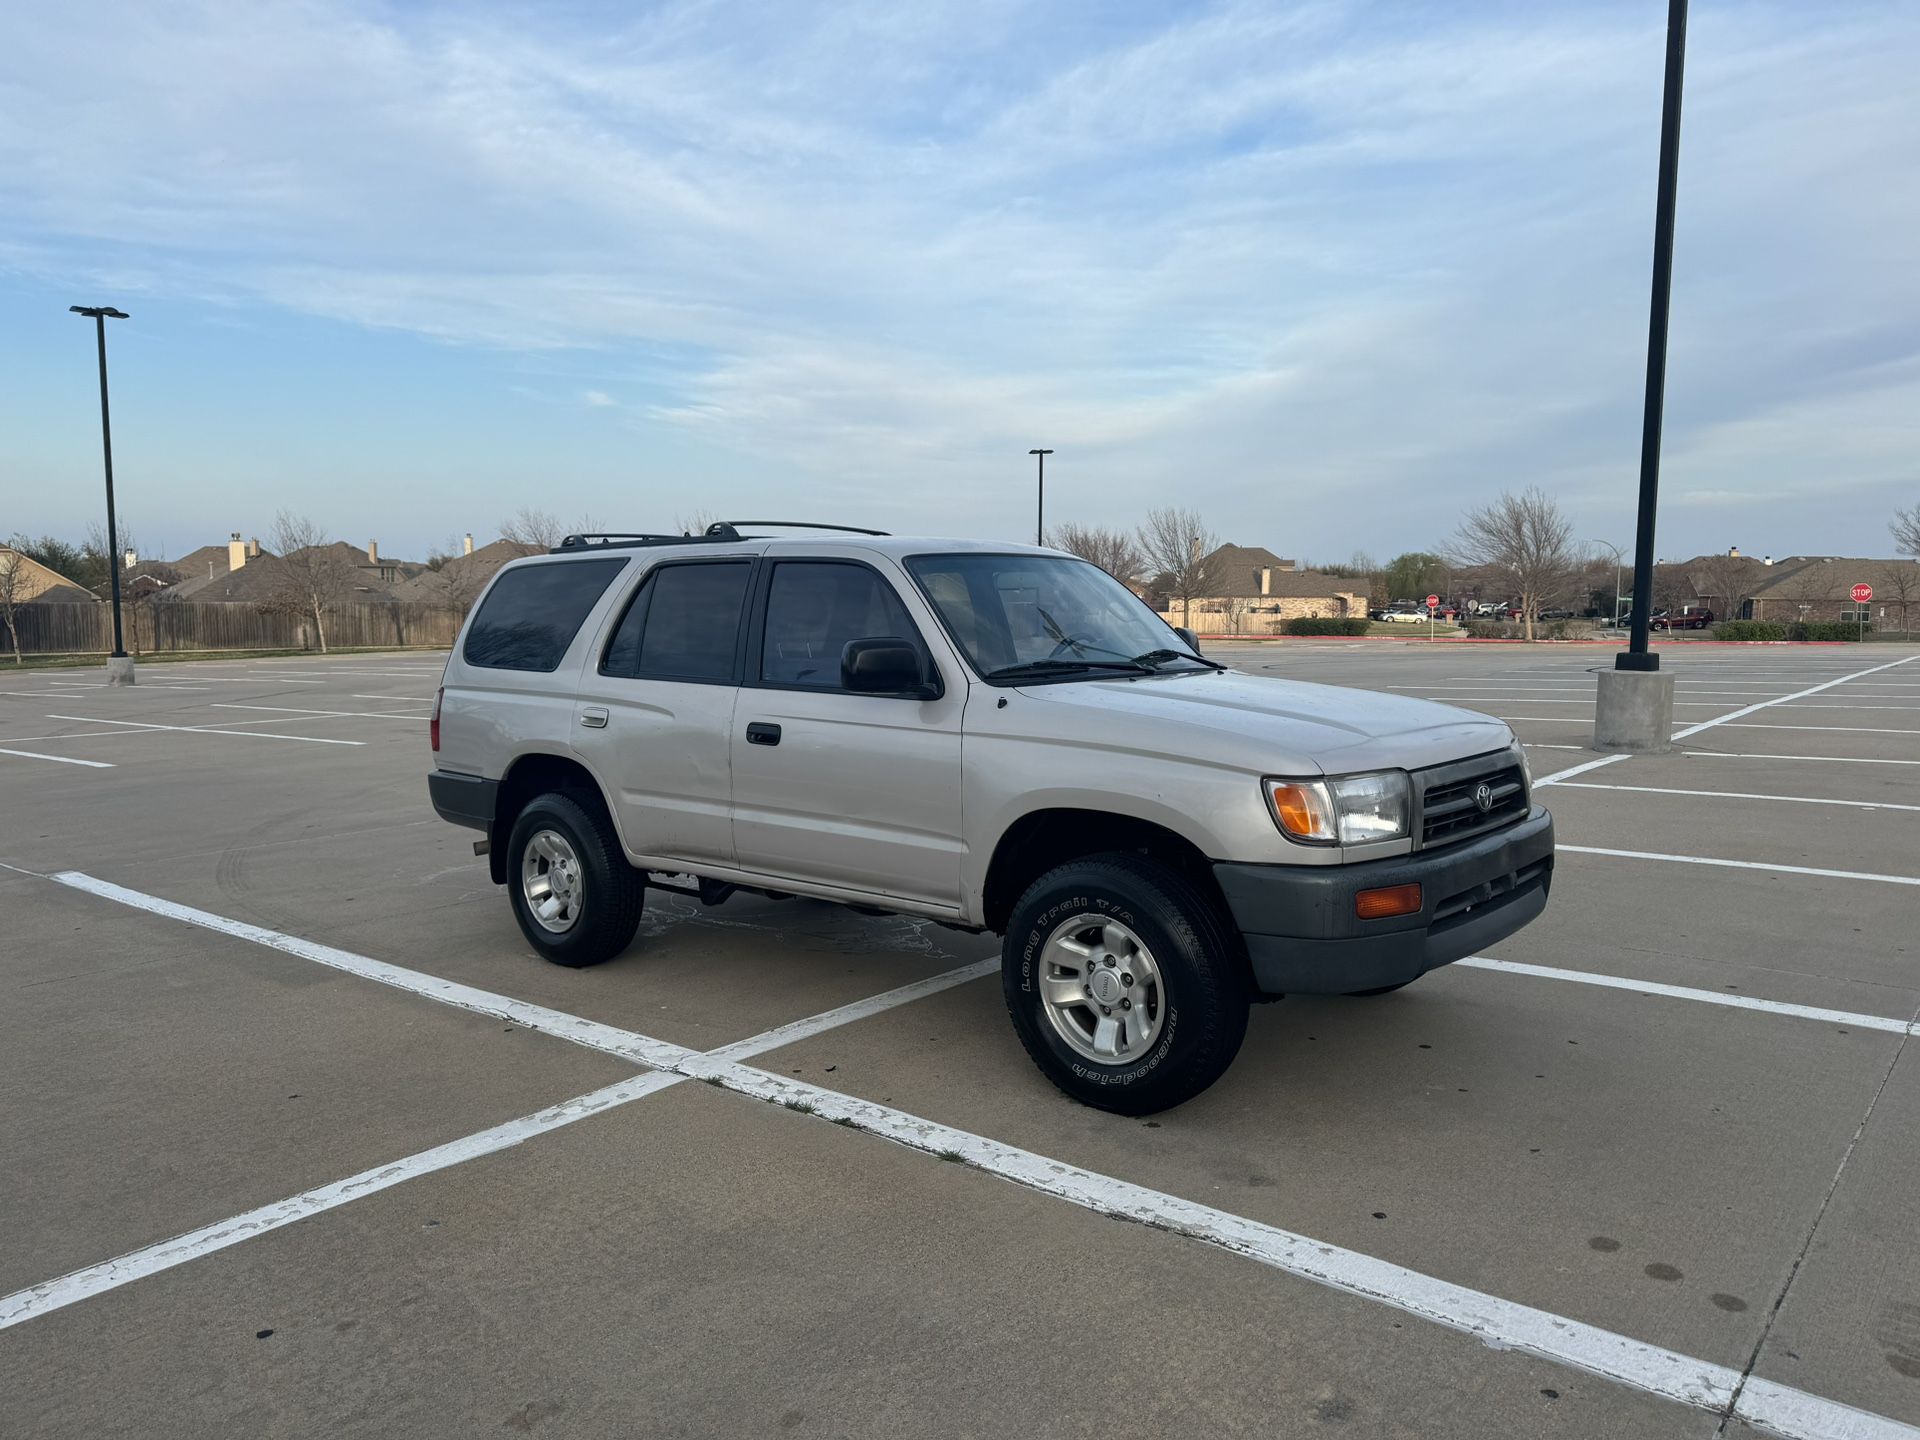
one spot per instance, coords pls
(1388, 901)
(1303, 810)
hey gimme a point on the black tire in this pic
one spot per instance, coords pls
(610, 891)
(1202, 965)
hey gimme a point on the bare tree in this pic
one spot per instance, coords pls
(1233, 609)
(695, 522)
(1726, 581)
(1527, 542)
(13, 594)
(312, 576)
(1808, 586)
(1906, 531)
(1900, 585)
(533, 526)
(1179, 548)
(1114, 551)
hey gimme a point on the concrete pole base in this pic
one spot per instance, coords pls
(1635, 711)
(119, 670)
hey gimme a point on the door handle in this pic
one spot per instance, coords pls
(759, 732)
(594, 717)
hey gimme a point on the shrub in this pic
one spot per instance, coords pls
(1749, 630)
(1493, 629)
(1328, 625)
(1827, 630)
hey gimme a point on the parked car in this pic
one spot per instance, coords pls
(999, 738)
(1404, 614)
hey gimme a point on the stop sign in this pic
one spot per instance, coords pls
(1862, 594)
(1434, 600)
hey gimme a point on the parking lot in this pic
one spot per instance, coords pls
(301, 1140)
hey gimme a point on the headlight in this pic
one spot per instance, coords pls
(1526, 765)
(1348, 810)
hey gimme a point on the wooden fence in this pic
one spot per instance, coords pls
(158, 627)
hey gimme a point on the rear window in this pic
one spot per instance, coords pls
(531, 615)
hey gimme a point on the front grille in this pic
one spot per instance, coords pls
(1449, 807)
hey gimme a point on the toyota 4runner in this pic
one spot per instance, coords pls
(999, 737)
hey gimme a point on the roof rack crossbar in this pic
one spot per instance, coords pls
(719, 531)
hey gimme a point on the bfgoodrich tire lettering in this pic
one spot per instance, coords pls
(606, 892)
(1202, 981)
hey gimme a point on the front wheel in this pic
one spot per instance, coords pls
(577, 899)
(1124, 983)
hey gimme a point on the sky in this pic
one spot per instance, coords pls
(1329, 273)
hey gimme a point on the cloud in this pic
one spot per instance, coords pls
(1274, 257)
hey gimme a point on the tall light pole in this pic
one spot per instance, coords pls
(1616, 552)
(1040, 501)
(119, 666)
(1635, 700)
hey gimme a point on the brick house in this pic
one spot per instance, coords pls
(1257, 592)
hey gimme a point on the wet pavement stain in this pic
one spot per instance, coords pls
(1660, 1270)
(1732, 1304)
(1606, 1244)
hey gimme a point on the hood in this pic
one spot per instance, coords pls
(1260, 723)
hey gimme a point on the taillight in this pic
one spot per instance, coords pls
(433, 725)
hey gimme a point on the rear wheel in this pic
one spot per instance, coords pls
(1124, 983)
(576, 898)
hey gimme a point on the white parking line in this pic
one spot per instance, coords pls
(51, 1295)
(1745, 711)
(799, 1030)
(1740, 795)
(417, 699)
(199, 730)
(58, 759)
(1850, 1018)
(1496, 1322)
(1741, 864)
(1828, 759)
(334, 714)
(1823, 729)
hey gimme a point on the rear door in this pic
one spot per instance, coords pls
(856, 791)
(655, 709)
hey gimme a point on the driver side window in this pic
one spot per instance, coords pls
(814, 607)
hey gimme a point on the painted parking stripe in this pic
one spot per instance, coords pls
(1740, 864)
(1496, 1322)
(1827, 759)
(51, 1295)
(202, 730)
(1745, 711)
(591, 1033)
(1821, 729)
(799, 1030)
(59, 759)
(1739, 795)
(335, 714)
(1852, 1019)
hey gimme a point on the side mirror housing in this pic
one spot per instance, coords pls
(1193, 640)
(886, 665)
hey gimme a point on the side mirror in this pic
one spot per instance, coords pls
(1193, 640)
(885, 665)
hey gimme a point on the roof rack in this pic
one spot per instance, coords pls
(720, 531)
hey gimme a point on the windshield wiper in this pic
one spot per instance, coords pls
(1064, 667)
(1160, 657)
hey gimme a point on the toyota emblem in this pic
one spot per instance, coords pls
(1483, 797)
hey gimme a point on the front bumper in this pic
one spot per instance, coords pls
(1304, 939)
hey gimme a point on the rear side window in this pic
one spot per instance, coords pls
(683, 625)
(531, 615)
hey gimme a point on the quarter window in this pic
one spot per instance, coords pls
(813, 609)
(531, 615)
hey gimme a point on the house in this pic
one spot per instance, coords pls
(1253, 591)
(35, 584)
(1819, 587)
(241, 572)
(459, 581)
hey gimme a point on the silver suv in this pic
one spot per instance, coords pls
(999, 737)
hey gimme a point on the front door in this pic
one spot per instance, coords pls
(850, 790)
(655, 711)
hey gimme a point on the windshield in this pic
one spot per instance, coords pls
(1022, 615)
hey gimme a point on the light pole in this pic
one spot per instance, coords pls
(119, 664)
(1616, 550)
(1040, 500)
(1635, 700)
